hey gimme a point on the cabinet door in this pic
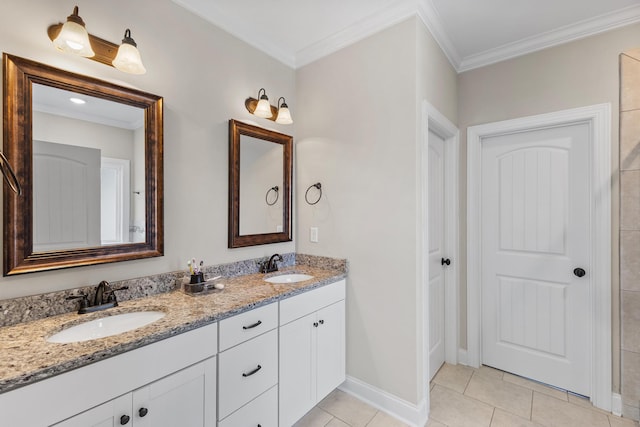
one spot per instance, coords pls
(297, 369)
(186, 398)
(114, 413)
(331, 349)
(261, 411)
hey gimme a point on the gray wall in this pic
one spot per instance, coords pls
(359, 136)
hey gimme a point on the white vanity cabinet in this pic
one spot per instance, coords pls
(176, 400)
(170, 378)
(248, 368)
(312, 349)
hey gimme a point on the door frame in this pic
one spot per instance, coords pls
(435, 121)
(599, 119)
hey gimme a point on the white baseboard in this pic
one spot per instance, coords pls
(616, 404)
(409, 413)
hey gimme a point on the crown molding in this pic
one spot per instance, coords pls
(364, 28)
(431, 19)
(427, 13)
(582, 29)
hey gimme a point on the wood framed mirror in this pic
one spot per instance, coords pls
(92, 180)
(260, 169)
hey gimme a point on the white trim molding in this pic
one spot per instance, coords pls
(415, 415)
(599, 119)
(435, 121)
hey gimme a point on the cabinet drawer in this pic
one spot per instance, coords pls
(246, 371)
(245, 326)
(300, 305)
(262, 411)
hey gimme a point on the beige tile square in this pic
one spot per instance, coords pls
(630, 199)
(314, 418)
(585, 403)
(630, 83)
(454, 409)
(504, 419)
(434, 423)
(630, 140)
(455, 377)
(630, 260)
(631, 321)
(621, 422)
(552, 412)
(487, 371)
(524, 382)
(385, 420)
(510, 397)
(337, 423)
(348, 409)
(630, 378)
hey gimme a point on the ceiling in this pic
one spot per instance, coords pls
(472, 33)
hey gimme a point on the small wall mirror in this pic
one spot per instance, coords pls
(88, 155)
(260, 165)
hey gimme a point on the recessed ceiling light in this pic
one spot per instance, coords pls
(77, 101)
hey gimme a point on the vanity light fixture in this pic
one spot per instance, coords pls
(262, 108)
(73, 37)
(128, 58)
(78, 101)
(284, 116)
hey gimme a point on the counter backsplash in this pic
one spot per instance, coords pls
(26, 309)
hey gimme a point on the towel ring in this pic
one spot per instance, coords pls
(9, 175)
(266, 197)
(306, 194)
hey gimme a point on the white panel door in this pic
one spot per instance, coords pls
(535, 232)
(436, 253)
(66, 196)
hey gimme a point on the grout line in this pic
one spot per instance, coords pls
(493, 413)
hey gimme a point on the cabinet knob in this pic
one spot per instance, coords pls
(124, 420)
(321, 322)
(143, 412)
(315, 324)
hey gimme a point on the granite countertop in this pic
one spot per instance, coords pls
(27, 357)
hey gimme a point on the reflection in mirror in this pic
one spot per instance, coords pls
(86, 150)
(260, 175)
(91, 172)
(260, 164)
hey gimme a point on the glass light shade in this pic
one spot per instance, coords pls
(263, 109)
(73, 38)
(128, 60)
(284, 116)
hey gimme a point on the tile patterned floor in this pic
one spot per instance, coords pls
(467, 397)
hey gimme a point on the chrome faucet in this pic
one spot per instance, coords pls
(271, 265)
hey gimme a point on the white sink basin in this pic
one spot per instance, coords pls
(288, 278)
(106, 326)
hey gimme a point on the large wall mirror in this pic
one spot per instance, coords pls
(88, 155)
(260, 164)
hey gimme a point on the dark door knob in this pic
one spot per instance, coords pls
(124, 420)
(143, 412)
(579, 272)
(444, 261)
